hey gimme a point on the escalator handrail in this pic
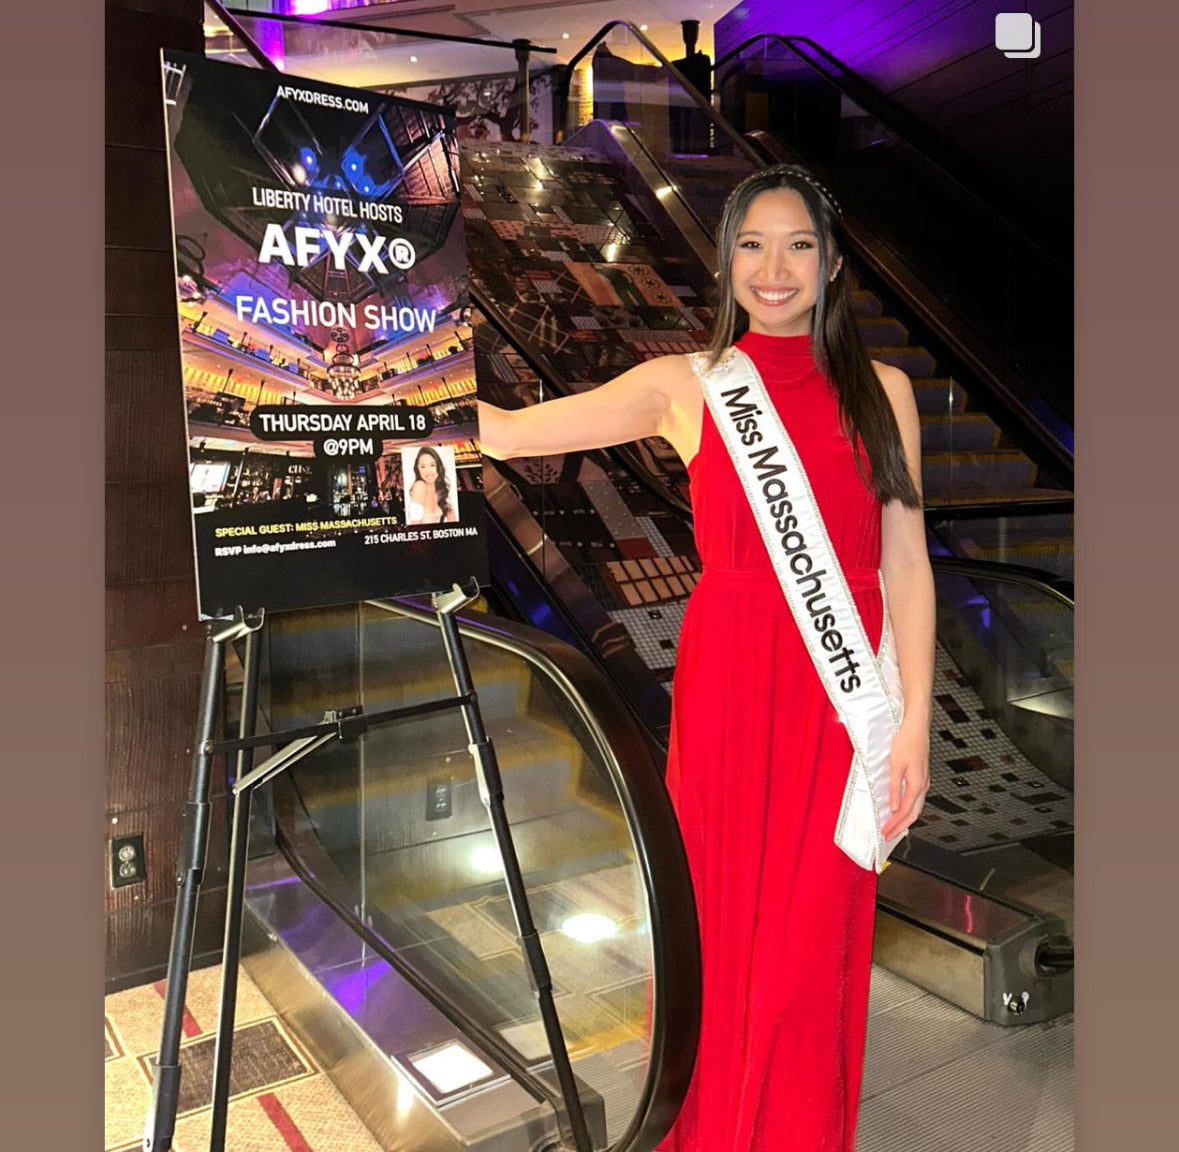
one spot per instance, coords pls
(638, 783)
(539, 363)
(229, 19)
(721, 124)
(572, 670)
(1000, 572)
(999, 509)
(927, 143)
(303, 851)
(576, 630)
(672, 204)
(383, 30)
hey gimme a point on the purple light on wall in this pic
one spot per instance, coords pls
(312, 7)
(268, 35)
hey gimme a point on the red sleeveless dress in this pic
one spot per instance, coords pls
(756, 770)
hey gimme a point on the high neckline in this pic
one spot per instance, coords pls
(786, 358)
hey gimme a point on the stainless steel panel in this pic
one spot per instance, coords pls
(361, 1021)
(966, 916)
(974, 950)
(946, 968)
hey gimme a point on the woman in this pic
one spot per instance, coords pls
(758, 759)
(429, 495)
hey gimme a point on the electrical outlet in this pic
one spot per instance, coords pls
(438, 798)
(127, 864)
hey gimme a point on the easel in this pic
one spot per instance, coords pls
(345, 724)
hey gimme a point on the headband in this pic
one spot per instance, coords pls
(799, 173)
(822, 189)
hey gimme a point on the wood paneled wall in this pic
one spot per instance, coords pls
(938, 60)
(154, 644)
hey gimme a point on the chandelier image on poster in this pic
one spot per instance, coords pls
(326, 350)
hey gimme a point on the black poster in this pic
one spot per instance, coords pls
(327, 356)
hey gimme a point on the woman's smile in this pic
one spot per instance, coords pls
(773, 297)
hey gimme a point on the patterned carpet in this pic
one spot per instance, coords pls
(280, 1100)
(935, 1078)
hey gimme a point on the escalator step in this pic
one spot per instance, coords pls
(937, 395)
(992, 471)
(916, 362)
(865, 303)
(883, 332)
(961, 431)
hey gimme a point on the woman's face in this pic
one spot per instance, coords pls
(427, 469)
(775, 268)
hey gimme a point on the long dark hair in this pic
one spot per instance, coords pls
(839, 351)
(440, 485)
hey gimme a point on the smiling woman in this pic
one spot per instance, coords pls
(760, 766)
(775, 264)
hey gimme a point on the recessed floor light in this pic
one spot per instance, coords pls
(451, 1067)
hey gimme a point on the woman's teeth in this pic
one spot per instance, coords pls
(775, 297)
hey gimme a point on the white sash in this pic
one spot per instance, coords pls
(863, 688)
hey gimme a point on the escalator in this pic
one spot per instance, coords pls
(601, 267)
(378, 923)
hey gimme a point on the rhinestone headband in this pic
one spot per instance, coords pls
(799, 173)
(822, 189)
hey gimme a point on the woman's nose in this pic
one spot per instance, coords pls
(774, 261)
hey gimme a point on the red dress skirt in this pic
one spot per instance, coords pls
(757, 766)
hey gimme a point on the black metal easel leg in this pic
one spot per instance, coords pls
(492, 794)
(161, 1119)
(231, 950)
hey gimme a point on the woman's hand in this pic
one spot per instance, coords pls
(908, 776)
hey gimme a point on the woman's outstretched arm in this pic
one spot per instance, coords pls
(632, 406)
(908, 579)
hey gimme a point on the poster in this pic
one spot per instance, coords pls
(326, 350)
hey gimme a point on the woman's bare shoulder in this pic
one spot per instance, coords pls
(669, 370)
(671, 377)
(891, 378)
(899, 390)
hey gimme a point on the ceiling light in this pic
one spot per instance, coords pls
(413, 59)
(343, 369)
(564, 35)
(642, 27)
